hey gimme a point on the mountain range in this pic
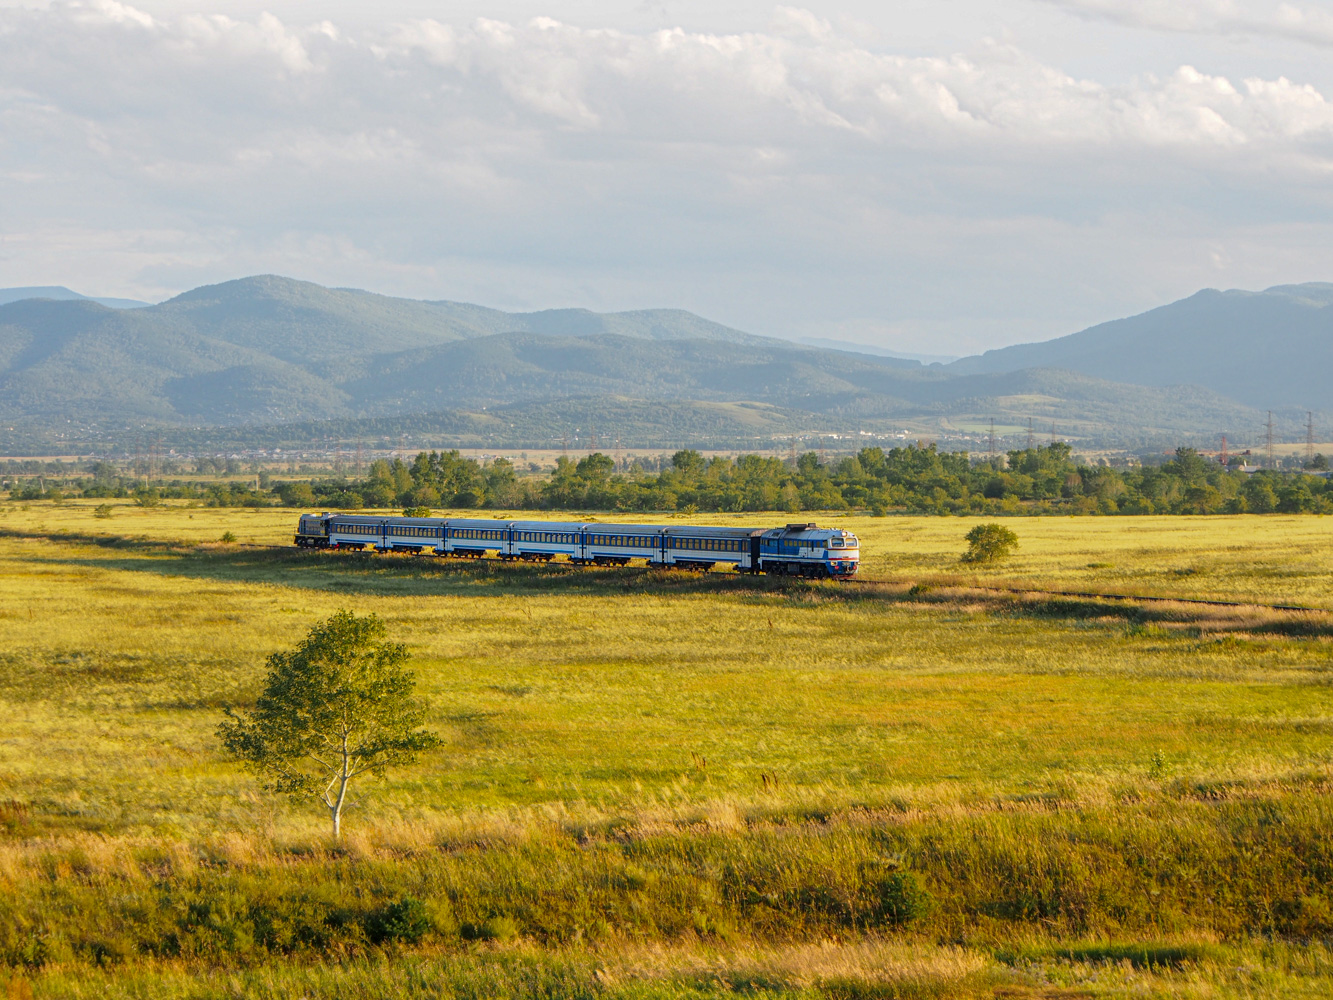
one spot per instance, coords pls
(270, 351)
(1265, 349)
(61, 293)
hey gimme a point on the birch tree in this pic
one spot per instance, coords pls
(336, 707)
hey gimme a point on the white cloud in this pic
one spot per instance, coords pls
(1212, 17)
(764, 176)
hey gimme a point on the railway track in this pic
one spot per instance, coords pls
(1086, 594)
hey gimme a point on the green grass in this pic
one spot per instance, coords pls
(1131, 798)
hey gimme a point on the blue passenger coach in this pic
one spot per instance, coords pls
(794, 550)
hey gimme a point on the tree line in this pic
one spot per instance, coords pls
(1046, 479)
(915, 479)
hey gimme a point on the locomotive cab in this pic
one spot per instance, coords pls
(312, 531)
(843, 555)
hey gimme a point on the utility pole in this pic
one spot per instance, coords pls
(1268, 442)
(1309, 437)
(990, 445)
(1030, 435)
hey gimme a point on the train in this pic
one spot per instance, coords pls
(803, 549)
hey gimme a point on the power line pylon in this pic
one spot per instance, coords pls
(1268, 442)
(990, 444)
(1222, 458)
(1309, 437)
(1031, 438)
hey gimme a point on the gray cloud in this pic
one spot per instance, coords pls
(788, 179)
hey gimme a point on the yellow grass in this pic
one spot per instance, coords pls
(576, 700)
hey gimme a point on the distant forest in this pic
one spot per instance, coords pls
(912, 479)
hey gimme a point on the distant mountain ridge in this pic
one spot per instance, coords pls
(61, 293)
(270, 351)
(1269, 349)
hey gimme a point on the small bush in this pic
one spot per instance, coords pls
(1157, 765)
(102, 510)
(228, 538)
(902, 899)
(989, 542)
(416, 512)
(406, 920)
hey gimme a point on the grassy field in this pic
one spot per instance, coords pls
(668, 784)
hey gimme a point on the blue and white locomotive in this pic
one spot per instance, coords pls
(794, 550)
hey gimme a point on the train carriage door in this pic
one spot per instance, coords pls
(755, 541)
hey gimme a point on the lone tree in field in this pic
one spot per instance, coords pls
(988, 542)
(337, 706)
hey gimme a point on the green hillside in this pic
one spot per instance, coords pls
(272, 353)
(1269, 349)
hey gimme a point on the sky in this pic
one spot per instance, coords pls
(935, 177)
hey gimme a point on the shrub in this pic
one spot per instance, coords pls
(406, 920)
(416, 512)
(102, 510)
(902, 899)
(228, 538)
(988, 542)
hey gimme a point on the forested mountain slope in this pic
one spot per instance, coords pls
(269, 350)
(1266, 349)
